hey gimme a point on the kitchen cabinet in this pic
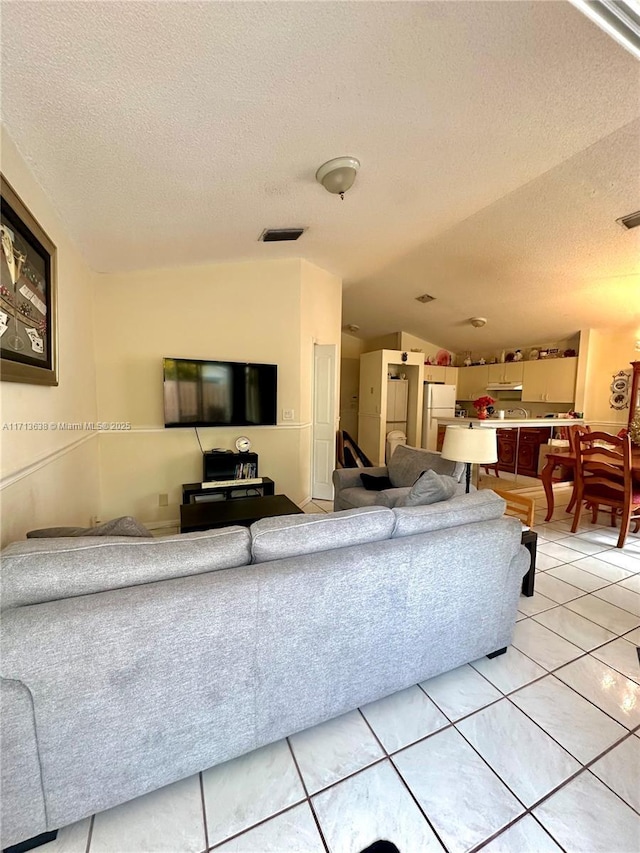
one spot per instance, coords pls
(511, 371)
(472, 382)
(435, 373)
(549, 381)
(523, 449)
(441, 432)
(507, 449)
(397, 396)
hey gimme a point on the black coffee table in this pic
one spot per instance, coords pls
(209, 514)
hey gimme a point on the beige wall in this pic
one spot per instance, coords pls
(51, 476)
(383, 342)
(609, 351)
(408, 342)
(271, 311)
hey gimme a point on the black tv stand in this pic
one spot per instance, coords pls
(195, 492)
(227, 465)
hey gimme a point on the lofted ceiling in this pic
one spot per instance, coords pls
(499, 141)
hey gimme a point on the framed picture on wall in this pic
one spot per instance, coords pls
(28, 333)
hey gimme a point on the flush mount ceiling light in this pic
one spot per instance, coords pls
(337, 175)
(478, 322)
(425, 298)
(619, 18)
(352, 327)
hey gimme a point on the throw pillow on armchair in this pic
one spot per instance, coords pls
(430, 488)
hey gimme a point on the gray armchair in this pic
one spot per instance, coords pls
(404, 468)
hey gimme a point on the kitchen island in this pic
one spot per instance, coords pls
(498, 423)
(519, 439)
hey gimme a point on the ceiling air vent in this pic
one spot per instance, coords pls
(630, 221)
(425, 298)
(280, 235)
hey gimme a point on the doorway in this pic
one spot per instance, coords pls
(323, 438)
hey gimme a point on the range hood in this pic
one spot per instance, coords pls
(504, 386)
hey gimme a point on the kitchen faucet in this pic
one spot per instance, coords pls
(519, 409)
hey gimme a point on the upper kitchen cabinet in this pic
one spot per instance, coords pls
(549, 381)
(508, 372)
(435, 373)
(472, 382)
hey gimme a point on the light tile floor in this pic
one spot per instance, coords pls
(531, 752)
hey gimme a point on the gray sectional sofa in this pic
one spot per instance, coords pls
(128, 664)
(404, 468)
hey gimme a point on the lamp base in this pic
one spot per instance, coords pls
(468, 478)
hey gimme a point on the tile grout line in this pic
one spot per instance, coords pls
(90, 833)
(388, 757)
(307, 794)
(561, 666)
(204, 811)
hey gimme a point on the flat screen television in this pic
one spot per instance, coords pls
(219, 393)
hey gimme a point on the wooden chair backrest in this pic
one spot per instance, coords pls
(600, 466)
(574, 431)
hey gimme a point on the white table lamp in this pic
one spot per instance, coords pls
(478, 446)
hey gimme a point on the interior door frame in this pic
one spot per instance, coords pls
(324, 431)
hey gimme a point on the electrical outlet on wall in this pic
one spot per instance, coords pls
(287, 414)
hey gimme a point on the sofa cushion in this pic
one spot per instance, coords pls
(375, 484)
(39, 570)
(124, 526)
(483, 505)
(408, 463)
(430, 488)
(357, 497)
(392, 497)
(293, 535)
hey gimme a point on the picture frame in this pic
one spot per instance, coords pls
(28, 291)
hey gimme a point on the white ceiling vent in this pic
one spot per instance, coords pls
(425, 298)
(630, 221)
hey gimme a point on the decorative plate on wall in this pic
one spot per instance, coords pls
(619, 388)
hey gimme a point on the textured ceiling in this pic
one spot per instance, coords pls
(495, 139)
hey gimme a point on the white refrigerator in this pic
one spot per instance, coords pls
(439, 402)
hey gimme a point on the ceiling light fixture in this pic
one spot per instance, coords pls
(619, 18)
(352, 327)
(337, 175)
(425, 298)
(478, 322)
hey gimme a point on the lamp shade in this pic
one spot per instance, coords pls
(470, 445)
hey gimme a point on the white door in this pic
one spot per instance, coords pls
(323, 439)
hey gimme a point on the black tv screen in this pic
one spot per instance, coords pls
(218, 393)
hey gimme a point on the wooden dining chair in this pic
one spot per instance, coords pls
(604, 478)
(572, 432)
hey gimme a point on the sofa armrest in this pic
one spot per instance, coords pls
(347, 478)
(22, 795)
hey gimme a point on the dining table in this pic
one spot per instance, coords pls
(566, 457)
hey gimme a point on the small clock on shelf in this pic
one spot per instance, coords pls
(243, 445)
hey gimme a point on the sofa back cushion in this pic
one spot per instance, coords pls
(294, 535)
(408, 463)
(461, 509)
(41, 570)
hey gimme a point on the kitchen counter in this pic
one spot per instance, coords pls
(497, 423)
